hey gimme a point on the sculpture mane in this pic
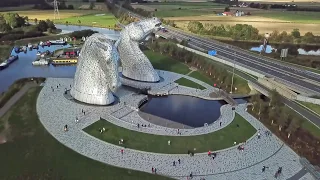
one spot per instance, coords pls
(96, 76)
(136, 65)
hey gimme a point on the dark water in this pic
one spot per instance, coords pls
(187, 110)
(23, 68)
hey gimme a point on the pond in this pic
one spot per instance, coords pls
(23, 68)
(183, 109)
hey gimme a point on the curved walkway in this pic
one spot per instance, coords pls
(55, 111)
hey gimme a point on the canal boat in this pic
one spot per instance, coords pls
(30, 46)
(7, 62)
(64, 61)
(58, 42)
(41, 61)
(35, 46)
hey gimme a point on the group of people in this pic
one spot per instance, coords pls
(213, 155)
(143, 125)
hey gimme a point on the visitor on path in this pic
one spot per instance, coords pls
(264, 168)
(191, 175)
(155, 170)
(209, 153)
(174, 163)
(259, 135)
(66, 127)
(152, 169)
(179, 161)
(121, 151)
(220, 123)
(178, 131)
(138, 125)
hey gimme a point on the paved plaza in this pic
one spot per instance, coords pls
(55, 111)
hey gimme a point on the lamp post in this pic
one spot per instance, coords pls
(234, 63)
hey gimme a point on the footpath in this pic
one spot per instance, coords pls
(16, 97)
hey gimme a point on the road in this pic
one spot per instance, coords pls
(298, 78)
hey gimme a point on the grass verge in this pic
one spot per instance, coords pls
(166, 63)
(214, 141)
(189, 83)
(32, 153)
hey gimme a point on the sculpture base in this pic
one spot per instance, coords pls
(92, 99)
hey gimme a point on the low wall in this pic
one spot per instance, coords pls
(282, 90)
(242, 68)
(308, 99)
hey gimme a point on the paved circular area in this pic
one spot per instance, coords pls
(55, 111)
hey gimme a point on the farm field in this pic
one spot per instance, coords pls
(263, 27)
(99, 20)
(48, 14)
(264, 20)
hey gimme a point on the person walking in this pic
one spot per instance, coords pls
(179, 161)
(121, 151)
(174, 163)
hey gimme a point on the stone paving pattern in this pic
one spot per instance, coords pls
(55, 111)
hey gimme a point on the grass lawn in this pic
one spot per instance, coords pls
(308, 126)
(189, 83)
(183, 12)
(313, 107)
(100, 20)
(198, 75)
(5, 51)
(166, 63)
(214, 141)
(32, 153)
(48, 14)
(293, 16)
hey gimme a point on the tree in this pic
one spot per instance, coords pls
(11, 19)
(5, 28)
(284, 117)
(91, 6)
(293, 126)
(42, 26)
(274, 99)
(308, 38)
(272, 115)
(35, 20)
(295, 33)
(195, 26)
(254, 100)
(227, 9)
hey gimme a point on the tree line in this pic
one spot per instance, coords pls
(287, 124)
(14, 27)
(248, 32)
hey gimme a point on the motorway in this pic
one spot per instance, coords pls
(295, 77)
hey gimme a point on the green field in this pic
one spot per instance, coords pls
(198, 75)
(298, 16)
(177, 9)
(106, 20)
(32, 153)
(214, 141)
(189, 83)
(166, 63)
